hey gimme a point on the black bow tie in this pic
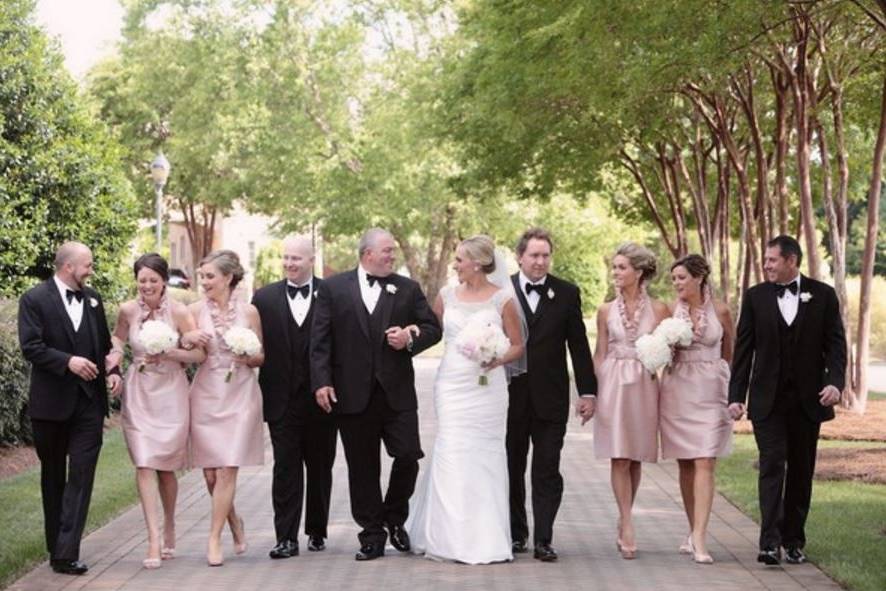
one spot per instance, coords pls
(537, 287)
(371, 279)
(71, 294)
(304, 290)
(781, 287)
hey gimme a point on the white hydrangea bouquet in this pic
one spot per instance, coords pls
(156, 337)
(241, 341)
(482, 341)
(656, 350)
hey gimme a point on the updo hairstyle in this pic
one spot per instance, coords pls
(154, 262)
(697, 266)
(640, 258)
(228, 263)
(481, 250)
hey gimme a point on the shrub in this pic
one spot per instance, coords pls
(15, 428)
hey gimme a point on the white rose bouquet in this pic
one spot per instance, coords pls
(241, 341)
(156, 337)
(482, 341)
(676, 331)
(656, 350)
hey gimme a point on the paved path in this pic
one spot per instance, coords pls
(584, 536)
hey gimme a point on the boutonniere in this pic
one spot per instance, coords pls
(391, 288)
(315, 294)
(805, 296)
(551, 294)
(93, 302)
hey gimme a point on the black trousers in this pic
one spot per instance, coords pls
(787, 441)
(68, 452)
(547, 483)
(302, 442)
(361, 436)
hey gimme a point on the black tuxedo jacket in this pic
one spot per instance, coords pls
(818, 349)
(46, 335)
(557, 322)
(284, 377)
(341, 350)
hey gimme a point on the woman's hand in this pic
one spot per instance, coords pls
(195, 338)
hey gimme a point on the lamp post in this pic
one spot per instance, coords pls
(159, 173)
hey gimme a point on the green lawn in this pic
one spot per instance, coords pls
(846, 530)
(21, 515)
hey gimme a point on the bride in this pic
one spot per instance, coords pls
(460, 510)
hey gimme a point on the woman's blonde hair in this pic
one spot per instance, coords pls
(228, 263)
(481, 250)
(641, 258)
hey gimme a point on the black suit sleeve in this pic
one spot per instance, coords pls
(426, 321)
(579, 350)
(30, 336)
(321, 339)
(743, 355)
(834, 342)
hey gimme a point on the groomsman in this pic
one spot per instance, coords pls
(539, 399)
(790, 351)
(302, 436)
(64, 334)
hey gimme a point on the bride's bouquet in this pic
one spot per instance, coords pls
(656, 349)
(156, 337)
(241, 341)
(482, 341)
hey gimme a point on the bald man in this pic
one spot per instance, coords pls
(64, 334)
(302, 436)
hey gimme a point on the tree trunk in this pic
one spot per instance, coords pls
(780, 141)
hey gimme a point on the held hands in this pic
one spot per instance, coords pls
(829, 396)
(736, 410)
(585, 408)
(326, 398)
(83, 368)
(398, 337)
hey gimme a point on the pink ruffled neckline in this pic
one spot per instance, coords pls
(145, 311)
(631, 324)
(698, 317)
(222, 320)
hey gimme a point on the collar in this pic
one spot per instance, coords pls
(362, 273)
(310, 282)
(62, 287)
(794, 280)
(524, 280)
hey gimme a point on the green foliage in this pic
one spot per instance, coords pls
(15, 427)
(59, 170)
(268, 264)
(878, 312)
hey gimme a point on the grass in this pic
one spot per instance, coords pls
(22, 543)
(846, 529)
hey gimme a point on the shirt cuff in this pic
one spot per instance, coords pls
(592, 396)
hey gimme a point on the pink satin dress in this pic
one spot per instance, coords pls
(226, 417)
(626, 420)
(155, 409)
(695, 422)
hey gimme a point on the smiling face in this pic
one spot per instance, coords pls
(535, 262)
(684, 283)
(78, 268)
(380, 257)
(214, 283)
(779, 269)
(150, 284)
(298, 262)
(623, 274)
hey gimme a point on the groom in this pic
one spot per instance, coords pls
(64, 334)
(539, 399)
(368, 324)
(790, 352)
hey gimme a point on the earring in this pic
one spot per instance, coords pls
(476, 269)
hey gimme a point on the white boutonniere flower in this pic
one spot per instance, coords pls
(805, 296)
(551, 294)
(93, 302)
(391, 288)
(315, 294)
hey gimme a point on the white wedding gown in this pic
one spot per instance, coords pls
(460, 510)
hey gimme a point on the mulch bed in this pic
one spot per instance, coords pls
(848, 426)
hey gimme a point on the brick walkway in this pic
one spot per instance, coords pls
(584, 537)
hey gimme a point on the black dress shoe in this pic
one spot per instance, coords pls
(69, 567)
(769, 556)
(284, 549)
(795, 556)
(370, 552)
(545, 553)
(316, 544)
(399, 538)
(519, 547)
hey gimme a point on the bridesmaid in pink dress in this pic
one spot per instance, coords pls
(226, 416)
(155, 403)
(626, 421)
(695, 425)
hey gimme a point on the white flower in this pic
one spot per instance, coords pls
(93, 302)
(391, 288)
(550, 294)
(675, 331)
(156, 337)
(805, 296)
(241, 341)
(481, 341)
(653, 351)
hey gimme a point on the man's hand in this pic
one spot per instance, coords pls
(829, 396)
(585, 408)
(736, 410)
(326, 398)
(83, 367)
(113, 359)
(115, 383)
(398, 337)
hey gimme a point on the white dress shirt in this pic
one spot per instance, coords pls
(300, 305)
(533, 297)
(75, 308)
(370, 294)
(788, 302)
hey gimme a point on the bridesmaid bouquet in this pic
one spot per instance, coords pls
(482, 342)
(241, 341)
(156, 337)
(656, 349)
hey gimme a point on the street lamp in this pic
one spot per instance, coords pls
(159, 173)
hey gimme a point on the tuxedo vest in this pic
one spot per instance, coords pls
(786, 344)
(376, 335)
(298, 347)
(84, 347)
